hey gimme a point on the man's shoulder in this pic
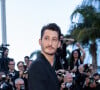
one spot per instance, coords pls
(36, 64)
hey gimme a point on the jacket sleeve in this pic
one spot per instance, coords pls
(37, 78)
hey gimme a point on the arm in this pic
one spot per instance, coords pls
(82, 50)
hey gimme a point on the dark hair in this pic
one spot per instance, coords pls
(53, 27)
(96, 74)
(79, 54)
(4, 49)
(20, 62)
(72, 57)
(26, 57)
(10, 60)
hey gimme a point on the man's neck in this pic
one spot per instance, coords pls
(11, 70)
(76, 59)
(50, 58)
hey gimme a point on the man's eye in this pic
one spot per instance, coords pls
(46, 38)
(54, 39)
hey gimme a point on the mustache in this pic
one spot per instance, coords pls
(50, 47)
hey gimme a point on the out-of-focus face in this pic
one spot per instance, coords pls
(49, 42)
(81, 68)
(75, 54)
(19, 85)
(26, 61)
(21, 67)
(6, 53)
(11, 65)
(96, 77)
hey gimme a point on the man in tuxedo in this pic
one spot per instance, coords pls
(42, 75)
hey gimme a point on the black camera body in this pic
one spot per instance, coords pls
(22, 87)
(25, 72)
(91, 80)
(60, 74)
(11, 75)
(3, 84)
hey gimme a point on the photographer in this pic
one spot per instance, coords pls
(26, 62)
(77, 57)
(4, 59)
(19, 84)
(66, 79)
(89, 84)
(60, 58)
(68, 83)
(23, 74)
(12, 73)
(88, 68)
(80, 77)
(4, 85)
(96, 77)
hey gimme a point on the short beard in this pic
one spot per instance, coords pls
(51, 54)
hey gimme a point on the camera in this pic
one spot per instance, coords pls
(22, 87)
(91, 80)
(11, 75)
(68, 85)
(25, 72)
(60, 74)
(98, 82)
(73, 75)
(3, 77)
(3, 84)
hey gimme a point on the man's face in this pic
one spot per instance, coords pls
(6, 52)
(49, 42)
(21, 67)
(20, 85)
(26, 60)
(11, 65)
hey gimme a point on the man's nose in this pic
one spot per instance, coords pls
(50, 42)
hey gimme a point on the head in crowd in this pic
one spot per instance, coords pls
(20, 66)
(11, 64)
(5, 52)
(96, 76)
(26, 59)
(19, 84)
(81, 68)
(76, 54)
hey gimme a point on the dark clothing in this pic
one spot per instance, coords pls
(60, 63)
(13, 75)
(42, 76)
(26, 83)
(79, 80)
(72, 64)
(4, 64)
(5, 86)
(60, 59)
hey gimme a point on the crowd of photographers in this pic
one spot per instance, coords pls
(83, 79)
(10, 78)
(73, 75)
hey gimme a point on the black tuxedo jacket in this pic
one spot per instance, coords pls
(42, 76)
